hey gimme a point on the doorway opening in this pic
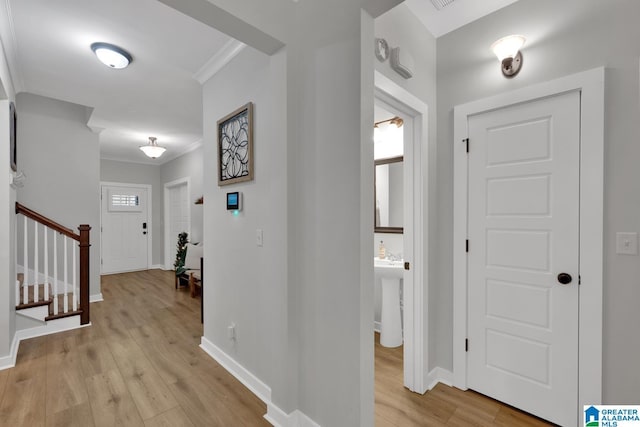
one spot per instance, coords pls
(405, 245)
(177, 216)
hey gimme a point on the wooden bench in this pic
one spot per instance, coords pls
(192, 276)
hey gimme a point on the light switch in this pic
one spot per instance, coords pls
(259, 237)
(627, 243)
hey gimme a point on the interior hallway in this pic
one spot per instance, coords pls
(140, 364)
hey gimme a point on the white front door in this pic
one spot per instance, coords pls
(125, 229)
(523, 235)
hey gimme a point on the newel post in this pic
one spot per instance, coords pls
(84, 272)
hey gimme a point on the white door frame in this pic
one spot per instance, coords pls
(591, 86)
(415, 299)
(149, 216)
(168, 243)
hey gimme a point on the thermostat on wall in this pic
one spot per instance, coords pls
(234, 201)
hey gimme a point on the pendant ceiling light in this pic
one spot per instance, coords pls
(111, 55)
(152, 149)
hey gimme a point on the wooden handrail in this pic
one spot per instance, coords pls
(20, 209)
(83, 243)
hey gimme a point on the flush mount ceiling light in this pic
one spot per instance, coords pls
(152, 149)
(507, 49)
(111, 55)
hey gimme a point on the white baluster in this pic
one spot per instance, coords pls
(36, 293)
(66, 277)
(46, 263)
(15, 252)
(55, 273)
(25, 279)
(75, 284)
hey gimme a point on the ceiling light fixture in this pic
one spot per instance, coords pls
(111, 55)
(152, 149)
(507, 49)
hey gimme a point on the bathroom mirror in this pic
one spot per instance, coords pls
(389, 195)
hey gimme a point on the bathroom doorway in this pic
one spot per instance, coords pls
(403, 118)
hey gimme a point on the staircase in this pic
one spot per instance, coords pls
(51, 258)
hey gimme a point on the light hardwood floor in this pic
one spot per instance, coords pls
(442, 406)
(139, 364)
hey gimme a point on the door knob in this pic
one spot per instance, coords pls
(564, 278)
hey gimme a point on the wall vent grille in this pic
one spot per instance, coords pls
(439, 4)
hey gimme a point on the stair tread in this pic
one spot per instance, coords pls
(31, 297)
(63, 315)
(60, 299)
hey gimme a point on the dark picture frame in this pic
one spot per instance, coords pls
(13, 125)
(235, 146)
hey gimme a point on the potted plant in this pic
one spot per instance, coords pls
(181, 252)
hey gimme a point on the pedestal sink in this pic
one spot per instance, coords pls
(390, 273)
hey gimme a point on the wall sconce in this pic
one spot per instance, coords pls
(507, 49)
(387, 131)
(392, 121)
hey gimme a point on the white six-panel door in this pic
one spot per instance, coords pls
(523, 221)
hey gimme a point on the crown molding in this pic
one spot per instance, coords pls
(10, 46)
(219, 60)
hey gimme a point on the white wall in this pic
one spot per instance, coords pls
(188, 165)
(250, 282)
(315, 296)
(403, 29)
(7, 227)
(134, 173)
(7, 214)
(61, 158)
(563, 38)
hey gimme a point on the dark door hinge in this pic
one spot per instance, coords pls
(466, 344)
(466, 141)
(466, 246)
(579, 280)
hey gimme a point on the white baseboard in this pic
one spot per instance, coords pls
(438, 375)
(52, 327)
(250, 381)
(279, 418)
(276, 416)
(9, 361)
(96, 298)
(157, 267)
(377, 326)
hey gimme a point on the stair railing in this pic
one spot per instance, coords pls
(64, 295)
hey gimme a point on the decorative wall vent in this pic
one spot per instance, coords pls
(439, 4)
